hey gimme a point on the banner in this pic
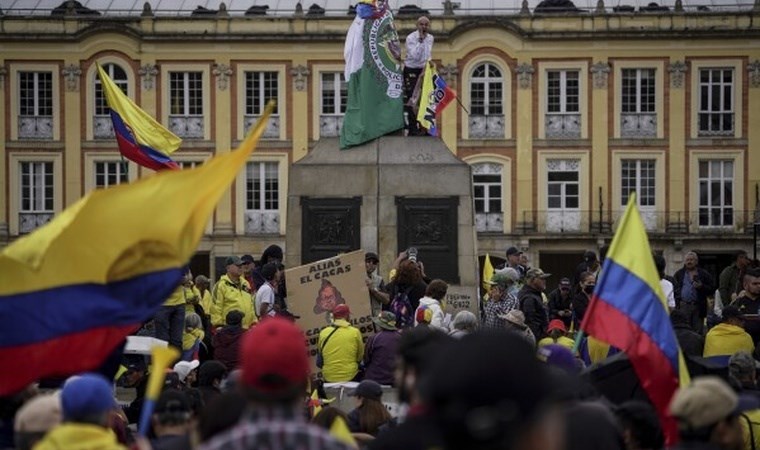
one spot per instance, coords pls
(315, 289)
(435, 96)
(373, 73)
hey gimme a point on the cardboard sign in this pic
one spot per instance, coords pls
(315, 289)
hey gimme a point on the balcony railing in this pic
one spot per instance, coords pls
(725, 222)
(329, 125)
(102, 127)
(489, 126)
(563, 126)
(262, 222)
(273, 126)
(187, 126)
(638, 125)
(30, 221)
(493, 222)
(35, 127)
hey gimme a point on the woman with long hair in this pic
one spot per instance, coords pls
(370, 414)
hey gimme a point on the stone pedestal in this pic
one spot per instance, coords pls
(385, 196)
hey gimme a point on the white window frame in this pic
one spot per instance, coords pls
(37, 100)
(638, 78)
(241, 191)
(708, 109)
(256, 102)
(506, 187)
(488, 220)
(565, 166)
(122, 171)
(339, 86)
(15, 204)
(659, 82)
(102, 118)
(582, 68)
(738, 198)
(563, 88)
(205, 117)
(638, 176)
(696, 65)
(493, 122)
(276, 128)
(708, 182)
(91, 159)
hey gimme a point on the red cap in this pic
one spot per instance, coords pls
(341, 312)
(556, 324)
(273, 356)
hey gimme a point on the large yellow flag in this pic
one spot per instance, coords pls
(487, 273)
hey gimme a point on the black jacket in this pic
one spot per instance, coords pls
(707, 288)
(532, 305)
(557, 303)
(691, 342)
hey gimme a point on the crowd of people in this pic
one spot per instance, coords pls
(245, 381)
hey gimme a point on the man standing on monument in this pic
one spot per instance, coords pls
(419, 48)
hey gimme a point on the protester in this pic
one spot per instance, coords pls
(171, 421)
(434, 295)
(590, 264)
(532, 302)
(515, 323)
(501, 300)
(36, 417)
(249, 265)
(691, 287)
(192, 337)
(136, 376)
(707, 411)
(730, 280)
(210, 378)
(560, 357)
(513, 261)
(381, 349)
(265, 296)
(560, 302)
(204, 284)
(728, 337)
(557, 334)
(691, 342)
(463, 324)
(170, 318)
(341, 347)
(582, 296)
(227, 340)
(405, 291)
(187, 372)
(375, 284)
(742, 372)
(232, 292)
(86, 403)
(640, 425)
(665, 283)
(370, 413)
(419, 47)
(748, 302)
(423, 316)
(275, 372)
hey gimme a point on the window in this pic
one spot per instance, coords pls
(262, 214)
(334, 99)
(486, 102)
(37, 196)
(563, 199)
(487, 185)
(189, 164)
(35, 105)
(563, 118)
(638, 116)
(716, 193)
(186, 104)
(638, 175)
(111, 173)
(102, 124)
(260, 87)
(716, 102)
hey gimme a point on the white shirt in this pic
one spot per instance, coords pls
(418, 53)
(265, 295)
(667, 289)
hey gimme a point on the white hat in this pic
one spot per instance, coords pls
(183, 368)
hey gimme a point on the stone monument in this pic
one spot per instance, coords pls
(386, 196)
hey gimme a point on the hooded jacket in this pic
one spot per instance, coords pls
(229, 296)
(434, 306)
(725, 339)
(226, 344)
(342, 352)
(79, 436)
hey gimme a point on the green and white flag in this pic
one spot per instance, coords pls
(375, 81)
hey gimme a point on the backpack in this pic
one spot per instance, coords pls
(402, 308)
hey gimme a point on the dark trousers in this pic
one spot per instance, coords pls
(410, 82)
(691, 311)
(170, 323)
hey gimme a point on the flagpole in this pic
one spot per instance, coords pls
(461, 105)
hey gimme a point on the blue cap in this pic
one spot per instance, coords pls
(85, 396)
(559, 356)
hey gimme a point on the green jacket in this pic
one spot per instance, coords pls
(342, 353)
(79, 436)
(729, 283)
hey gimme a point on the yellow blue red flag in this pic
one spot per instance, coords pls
(628, 310)
(435, 96)
(72, 290)
(140, 137)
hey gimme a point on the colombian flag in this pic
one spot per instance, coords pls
(141, 139)
(435, 96)
(628, 310)
(72, 290)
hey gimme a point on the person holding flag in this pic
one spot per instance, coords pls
(419, 48)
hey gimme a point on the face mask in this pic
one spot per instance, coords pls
(589, 289)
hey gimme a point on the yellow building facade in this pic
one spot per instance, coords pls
(566, 114)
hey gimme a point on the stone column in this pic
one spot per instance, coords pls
(221, 77)
(677, 180)
(523, 194)
(301, 77)
(71, 79)
(600, 160)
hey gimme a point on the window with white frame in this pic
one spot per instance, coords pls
(189, 164)
(333, 99)
(563, 116)
(262, 191)
(638, 117)
(102, 125)
(260, 87)
(563, 195)
(37, 194)
(716, 193)
(487, 187)
(486, 119)
(35, 105)
(111, 173)
(638, 175)
(186, 104)
(716, 102)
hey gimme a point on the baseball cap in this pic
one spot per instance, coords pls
(504, 277)
(556, 324)
(39, 414)
(247, 259)
(233, 260)
(368, 389)
(513, 251)
(341, 312)
(564, 282)
(707, 401)
(373, 256)
(86, 395)
(537, 273)
(183, 368)
(559, 356)
(273, 357)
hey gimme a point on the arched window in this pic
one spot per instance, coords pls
(486, 102)
(102, 126)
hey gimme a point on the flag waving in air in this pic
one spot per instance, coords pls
(73, 289)
(140, 137)
(435, 96)
(373, 73)
(628, 310)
